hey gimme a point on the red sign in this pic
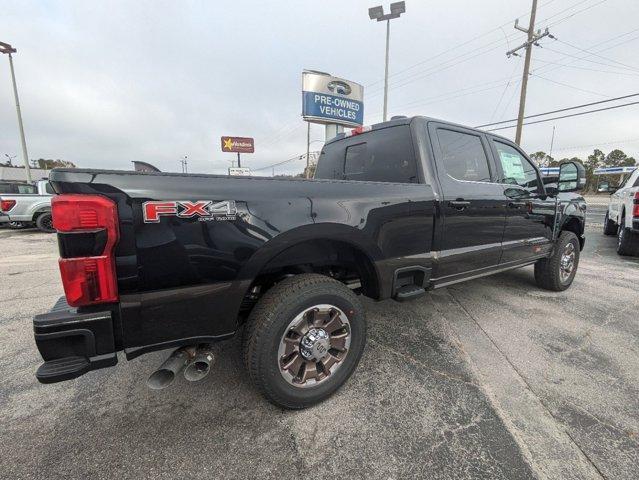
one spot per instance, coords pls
(238, 144)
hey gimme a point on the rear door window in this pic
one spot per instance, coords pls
(463, 156)
(384, 155)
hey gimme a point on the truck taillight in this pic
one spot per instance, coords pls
(635, 205)
(87, 280)
(6, 205)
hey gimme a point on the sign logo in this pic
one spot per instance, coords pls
(238, 144)
(339, 87)
(203, 210)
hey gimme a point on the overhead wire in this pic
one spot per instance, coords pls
(568, 116)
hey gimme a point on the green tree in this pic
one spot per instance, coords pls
(542, 159)
(618, 158)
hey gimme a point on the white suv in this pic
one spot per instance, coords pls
(622, 216)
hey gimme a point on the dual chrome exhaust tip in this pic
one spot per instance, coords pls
(194, 361)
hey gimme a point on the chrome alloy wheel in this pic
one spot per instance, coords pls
(314, 345)
(567, 263)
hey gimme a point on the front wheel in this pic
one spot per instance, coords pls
(557, 272)
(303, 340)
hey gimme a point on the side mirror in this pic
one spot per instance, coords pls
(572, 177)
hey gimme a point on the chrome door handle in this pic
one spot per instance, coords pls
(516, 204)
(459, 204)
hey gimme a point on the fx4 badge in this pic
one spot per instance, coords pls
(203, 210)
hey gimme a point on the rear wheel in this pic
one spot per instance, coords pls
(558, 271)
(627, 240)
(17, 225)
(609, 227)
(44, 222)
(303, 340)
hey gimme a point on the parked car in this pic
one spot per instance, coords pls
(622, 215)
(26, 209)
(151, 261)
(9, 187)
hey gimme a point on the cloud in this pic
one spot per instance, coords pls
(105, 83)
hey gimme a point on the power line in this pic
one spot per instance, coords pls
(588, 69)
(597, 55)
(477, 37)
(568, 116)
(586, 59)
(600, 144)
(594, 46)
(562, 110)
(571, 86)
(296, 157)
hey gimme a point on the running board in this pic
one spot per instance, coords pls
(409, 292)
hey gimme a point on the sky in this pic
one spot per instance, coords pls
(104, 83)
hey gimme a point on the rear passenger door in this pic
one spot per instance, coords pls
(472, 202)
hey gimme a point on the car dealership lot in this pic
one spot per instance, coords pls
(494, 378)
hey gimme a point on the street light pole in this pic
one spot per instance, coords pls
(386, 71)
(377, 13)
(8, 49)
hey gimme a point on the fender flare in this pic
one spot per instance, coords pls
(319, 231)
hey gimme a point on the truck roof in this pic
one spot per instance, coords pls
(402, 120)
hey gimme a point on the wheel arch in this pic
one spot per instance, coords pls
(305, 245)
(576, 225)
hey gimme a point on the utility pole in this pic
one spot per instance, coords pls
(532, 39)
(183, 162)
(239, 165)
(8, 49)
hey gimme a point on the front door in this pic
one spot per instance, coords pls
(530, 214)
(472, 203)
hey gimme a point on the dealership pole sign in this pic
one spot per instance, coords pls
(331, 100)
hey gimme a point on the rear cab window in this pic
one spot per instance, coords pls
(383, 155)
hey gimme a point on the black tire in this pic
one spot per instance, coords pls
(548, 271)
(269, 322)
(16, 225)
(627, 240)
(609, 227)
(44, 222)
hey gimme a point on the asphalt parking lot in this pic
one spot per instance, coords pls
(493, 378)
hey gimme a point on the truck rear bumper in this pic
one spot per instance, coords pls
(73, 343)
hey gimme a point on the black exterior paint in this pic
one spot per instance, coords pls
(184, 280)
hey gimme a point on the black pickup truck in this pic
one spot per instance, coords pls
(151, 261)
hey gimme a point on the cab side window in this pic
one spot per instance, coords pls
(517, 169)
(26, 189)
(463, 156)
